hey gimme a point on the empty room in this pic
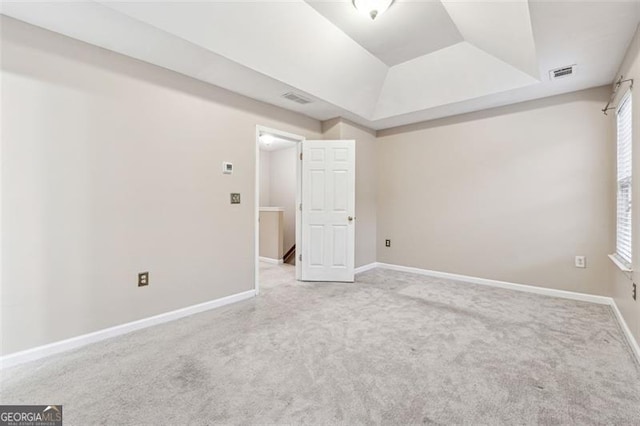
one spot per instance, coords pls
(319, 212)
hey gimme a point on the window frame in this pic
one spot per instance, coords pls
(624, 185)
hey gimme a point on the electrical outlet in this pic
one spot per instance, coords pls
(634, 292)
(235, 198)
(143, 279)
(581, 262)
(387, 243)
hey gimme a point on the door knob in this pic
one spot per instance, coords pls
(350, 219)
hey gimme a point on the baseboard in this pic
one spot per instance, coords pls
(602, 300)
(367, 267)
(39, 352)
(270, 260)
(626, 330)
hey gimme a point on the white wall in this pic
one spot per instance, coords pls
(111, 166)
(511, 194)
(623, 282)
(282, 178)
(265, 180)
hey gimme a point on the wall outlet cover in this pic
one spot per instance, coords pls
(235, 198)
(143, 279)
(581, 262)
(387, 243)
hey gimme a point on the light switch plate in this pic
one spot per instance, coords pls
(227, 168)
(235, 198)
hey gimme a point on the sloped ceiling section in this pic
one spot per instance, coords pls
(501, 28)
(290, 42)
(453, 74)
(283, 40)
(420, 60)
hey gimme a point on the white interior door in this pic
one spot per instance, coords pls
(328, 207)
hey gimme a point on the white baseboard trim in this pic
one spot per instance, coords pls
(602, 300)
(367, 267)
(270, 260)
(626, 330)
(39, 352)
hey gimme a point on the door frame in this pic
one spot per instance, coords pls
(256, 200)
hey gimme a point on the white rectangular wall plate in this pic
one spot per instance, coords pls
(227, 168)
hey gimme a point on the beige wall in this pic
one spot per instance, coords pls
(622, 283)
(511, 194)
(366, 184)
(282, 177)
(111, 166)
(331, 128)
(271, 234)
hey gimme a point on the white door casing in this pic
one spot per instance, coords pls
(328, 208)
(260, 130)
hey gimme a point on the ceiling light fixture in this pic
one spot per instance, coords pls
(266, 139)
(372, 8)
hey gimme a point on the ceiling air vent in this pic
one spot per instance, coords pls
(296, 98)
(563, 72)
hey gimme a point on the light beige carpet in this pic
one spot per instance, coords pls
(393, 348)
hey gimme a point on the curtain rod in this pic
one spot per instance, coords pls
(607, 107)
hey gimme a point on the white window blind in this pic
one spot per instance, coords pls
(623, 222)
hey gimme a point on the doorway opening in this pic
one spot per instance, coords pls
(277, 197)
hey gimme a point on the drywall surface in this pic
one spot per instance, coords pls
(110, 167)
(282, 184)
(271, 234)
(331, 129)
(265, 170)
(510, 194)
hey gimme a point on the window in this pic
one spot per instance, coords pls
(623, 216)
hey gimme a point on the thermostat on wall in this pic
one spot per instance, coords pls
(227, 168)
